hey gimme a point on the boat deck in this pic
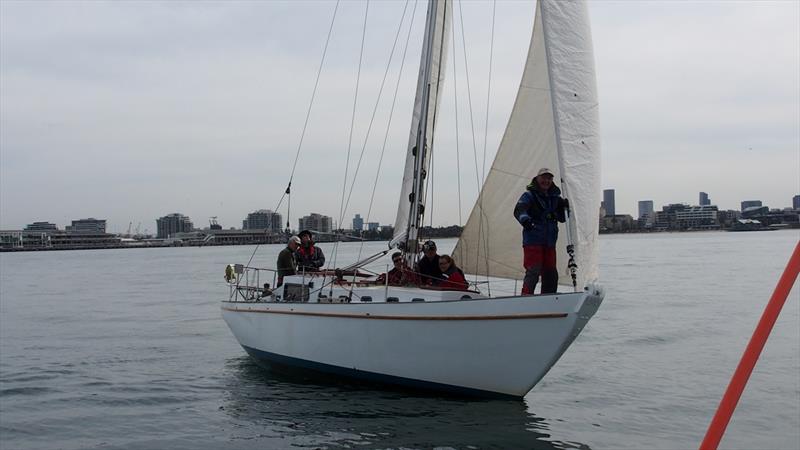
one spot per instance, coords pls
(322, 288)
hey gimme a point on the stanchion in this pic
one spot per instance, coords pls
(728, 403)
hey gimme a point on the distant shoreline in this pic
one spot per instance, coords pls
(185, 245)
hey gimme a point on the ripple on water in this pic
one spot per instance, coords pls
(27, 391)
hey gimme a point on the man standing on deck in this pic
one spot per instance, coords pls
(539, 210)
(286, 259)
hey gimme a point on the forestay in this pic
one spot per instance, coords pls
(554, 124)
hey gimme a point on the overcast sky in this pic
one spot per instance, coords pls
(128, 111)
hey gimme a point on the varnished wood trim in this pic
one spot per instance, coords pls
(382, 317)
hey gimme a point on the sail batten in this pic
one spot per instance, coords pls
(553, 124)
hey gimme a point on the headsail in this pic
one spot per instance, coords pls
(554, 124)
(426, 104)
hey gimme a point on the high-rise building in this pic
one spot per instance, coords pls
(645, 209)
(608, 202)
(171, 224)
(704, 200)
(41, 226)
(358, 223)
(263, 219)
(796, 202)
(316, 222)
(90, 225)
(373, 226)
(750, 203)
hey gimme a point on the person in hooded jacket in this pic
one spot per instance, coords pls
(454, 277)
(539, 210)
(309, 257)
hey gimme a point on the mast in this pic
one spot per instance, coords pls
(411, 207)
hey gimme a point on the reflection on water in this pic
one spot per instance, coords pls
(318, 412)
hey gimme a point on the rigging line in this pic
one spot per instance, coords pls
(313, 96)
(430, 183)
(469, 95)
(391, 113)
(458, 155)
(308, 115)
(352, 126)
(472, 124)
(485, 137)
(488, 90)
(374, 111)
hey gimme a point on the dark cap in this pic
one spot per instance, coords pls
(429, 245)
(308, 232)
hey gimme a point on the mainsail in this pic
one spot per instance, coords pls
(426, 104)
(554, 124)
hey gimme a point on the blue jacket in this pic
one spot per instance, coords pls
(543, 210)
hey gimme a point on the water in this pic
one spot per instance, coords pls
(126, 349)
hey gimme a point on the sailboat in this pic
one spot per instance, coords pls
(464, 342)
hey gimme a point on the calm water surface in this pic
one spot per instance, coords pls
(126, 349)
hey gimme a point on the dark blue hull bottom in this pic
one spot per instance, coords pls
(283, 362)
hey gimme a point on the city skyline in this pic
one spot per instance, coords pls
(201, 110)
(642, 205)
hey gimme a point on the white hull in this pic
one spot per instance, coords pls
(484, 346)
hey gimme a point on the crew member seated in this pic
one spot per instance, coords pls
(400, 275)
(428, 265)
(455, 280)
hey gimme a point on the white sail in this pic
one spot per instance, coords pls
(554, 124)
(426, 103)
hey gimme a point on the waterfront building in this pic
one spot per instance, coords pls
(171, 224)
(750, 203)
(358, 223)
(373, 226)
(608, 202)
(697, 217)
(90, 225)
(728, 218)
(41, 226)
(233, 237)
(704, 200)
(754, 211)
(621, 223)
(263, 219)
(24, 240)
(56, 240)
(647, 216)
(667, 218)
(796, 202)
(316, 222)
(775, 217)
